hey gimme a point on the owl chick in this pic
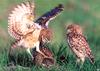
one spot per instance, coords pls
(78, 43)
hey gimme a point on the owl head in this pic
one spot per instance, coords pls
(28, 19)
(73, 28)
(45, 35)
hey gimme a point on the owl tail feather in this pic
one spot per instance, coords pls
(91, 58)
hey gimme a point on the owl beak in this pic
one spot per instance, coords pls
(68, 31)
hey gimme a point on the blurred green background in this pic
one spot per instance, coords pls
(86, 13)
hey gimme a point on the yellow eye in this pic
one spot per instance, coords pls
(31, 18)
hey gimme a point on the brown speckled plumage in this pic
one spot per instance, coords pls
(78, 43)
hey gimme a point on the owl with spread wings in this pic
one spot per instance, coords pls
(27, 32)
(78, 43)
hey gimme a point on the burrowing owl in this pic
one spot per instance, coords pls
(78, 43)
(27, 32)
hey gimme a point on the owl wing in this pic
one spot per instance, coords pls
(48, 16)
(79, 43)
(20, 20)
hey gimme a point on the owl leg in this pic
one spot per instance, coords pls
(77, 61)
(28, 50)
(82, 60)
(38, 49)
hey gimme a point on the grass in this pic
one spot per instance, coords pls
(67, 64)
(86, 13)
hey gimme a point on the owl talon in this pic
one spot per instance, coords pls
(42, 53)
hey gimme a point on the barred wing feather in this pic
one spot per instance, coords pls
(21, 19)
(50, 15)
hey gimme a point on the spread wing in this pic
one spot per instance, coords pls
(45, 18)
(21, 19)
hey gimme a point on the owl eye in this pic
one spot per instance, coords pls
(30, 17)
